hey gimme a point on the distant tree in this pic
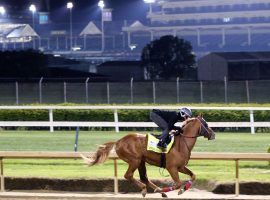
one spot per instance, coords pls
(167, 57)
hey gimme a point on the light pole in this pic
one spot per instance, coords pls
(33, 9)
(2, 10)
(70, 6)
(102, 5)
(150, 2)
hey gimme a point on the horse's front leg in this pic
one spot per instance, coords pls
(177, 182)
(188, 184)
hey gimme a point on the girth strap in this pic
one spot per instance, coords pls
(163, 160)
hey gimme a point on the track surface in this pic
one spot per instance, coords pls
(192, 194)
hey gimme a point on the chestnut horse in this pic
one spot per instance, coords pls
(132, 149)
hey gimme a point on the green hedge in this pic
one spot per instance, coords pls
(133, 115)
(124, 115)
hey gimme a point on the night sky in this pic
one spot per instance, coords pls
(122, 9)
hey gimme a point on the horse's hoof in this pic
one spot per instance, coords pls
(144, 192)
(158, 190)
(181, 191)
(164, 195)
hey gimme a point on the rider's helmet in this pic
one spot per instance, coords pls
(185, 112)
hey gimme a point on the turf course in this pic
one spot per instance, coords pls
(88, 141)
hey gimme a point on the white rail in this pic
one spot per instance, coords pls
(73, 155)
(116, 124)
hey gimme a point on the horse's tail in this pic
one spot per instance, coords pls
(100, 156)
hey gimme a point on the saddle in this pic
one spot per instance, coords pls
(153, 140)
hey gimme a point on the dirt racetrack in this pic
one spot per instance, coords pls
(193, 194)
(107, 185)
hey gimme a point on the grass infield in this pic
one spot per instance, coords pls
(88, 141)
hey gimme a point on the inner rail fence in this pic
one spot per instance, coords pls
(74, 155)
(117, 124)
(132, 91)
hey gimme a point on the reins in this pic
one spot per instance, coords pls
(198, 135)
(189, 136)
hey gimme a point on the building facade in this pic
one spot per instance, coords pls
(234, 66)
(210, 25)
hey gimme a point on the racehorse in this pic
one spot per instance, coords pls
(132, 149)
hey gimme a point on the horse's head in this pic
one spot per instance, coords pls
(199, 126)
(205, 130)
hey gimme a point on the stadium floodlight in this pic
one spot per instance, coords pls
(149, 1)
(101, 4)
(69, 5)
(32, 8)
(2, 10)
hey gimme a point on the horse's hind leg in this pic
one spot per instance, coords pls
(129, 176)
(144, 179)
(187, 171)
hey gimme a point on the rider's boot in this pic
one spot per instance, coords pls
(162, 144)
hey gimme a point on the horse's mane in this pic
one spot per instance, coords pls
(190, 120)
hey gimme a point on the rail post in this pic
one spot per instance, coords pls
(237, 177)
(51, 120)
(251, 116)
(115, 177)
(76, 139)
(116, 121)
(2, 175)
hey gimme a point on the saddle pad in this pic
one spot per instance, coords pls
(152, 144)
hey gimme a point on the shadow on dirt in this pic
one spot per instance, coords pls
(107, 185)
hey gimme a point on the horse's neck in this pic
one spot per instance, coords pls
(191, 143)
(186, 141)
(183, 143)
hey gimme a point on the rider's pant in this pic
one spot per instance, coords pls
(162, 124)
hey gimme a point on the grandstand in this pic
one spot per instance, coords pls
(210, 25)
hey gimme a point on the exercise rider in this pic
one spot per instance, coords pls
(166, 120)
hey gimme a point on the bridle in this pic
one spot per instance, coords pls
(203, 129)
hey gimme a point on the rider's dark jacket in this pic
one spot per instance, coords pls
(170, 117)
